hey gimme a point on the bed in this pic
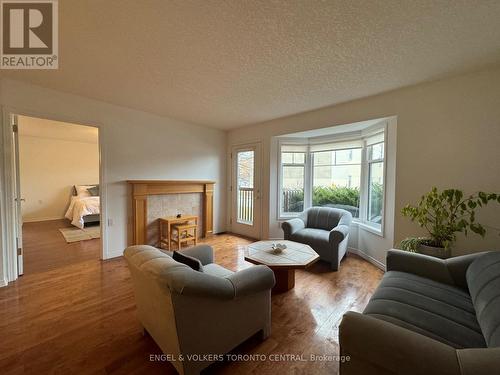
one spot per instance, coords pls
(84, 207)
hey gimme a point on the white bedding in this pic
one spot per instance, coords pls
(80, 207)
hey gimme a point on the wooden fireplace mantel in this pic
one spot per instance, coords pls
(142, 188)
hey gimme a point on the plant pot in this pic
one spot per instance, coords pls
(438, 252)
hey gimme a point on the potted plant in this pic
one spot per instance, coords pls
(444, 214)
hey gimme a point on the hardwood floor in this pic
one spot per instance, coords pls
(45, 247)
(80, 319)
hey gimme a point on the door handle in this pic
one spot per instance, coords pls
(20, 200)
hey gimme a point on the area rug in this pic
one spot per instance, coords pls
(77, 234)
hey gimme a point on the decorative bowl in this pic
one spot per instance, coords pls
(278, 247)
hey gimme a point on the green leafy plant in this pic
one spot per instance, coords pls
(296, 201)
(411, 244)
(376, 199)
(444, 214)
(293, 199)
(323, 195)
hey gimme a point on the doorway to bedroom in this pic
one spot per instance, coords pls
(57, 190)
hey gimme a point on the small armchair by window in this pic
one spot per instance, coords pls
(325, 229)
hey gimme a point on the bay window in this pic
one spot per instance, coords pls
(342, 174)
(336, 175)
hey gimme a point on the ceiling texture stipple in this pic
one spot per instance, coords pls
(226, 64)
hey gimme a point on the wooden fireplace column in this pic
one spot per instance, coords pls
(142, 188)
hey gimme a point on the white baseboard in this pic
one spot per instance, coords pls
(3, 282)
(114, 254)
(366, 257)
(42, 219)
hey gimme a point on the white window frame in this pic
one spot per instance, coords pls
(365, 191)
(307, 199)
(311, 155)
(362, 221)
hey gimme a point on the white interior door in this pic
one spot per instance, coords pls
(246, 218)
(18, 198)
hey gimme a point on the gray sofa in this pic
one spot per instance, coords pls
(428, 316)
(188, 312)
(325, 229)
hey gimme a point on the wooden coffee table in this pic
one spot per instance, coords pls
(284, 264)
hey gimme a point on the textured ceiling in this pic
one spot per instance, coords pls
(230, 63)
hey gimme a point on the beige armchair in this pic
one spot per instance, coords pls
(189, 312)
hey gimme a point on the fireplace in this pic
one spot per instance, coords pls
(152, 199)
(168, 205)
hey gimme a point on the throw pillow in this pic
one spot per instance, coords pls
(94, 191)
(194, 263)
(82, 190)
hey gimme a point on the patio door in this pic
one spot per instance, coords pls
(246, 218)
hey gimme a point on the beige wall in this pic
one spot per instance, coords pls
(137, 145)
(448, 135)
(49, 168)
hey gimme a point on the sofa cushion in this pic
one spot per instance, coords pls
(325, 218)
(483, 279)
(139, 255)
(310, 236)
(439, 311)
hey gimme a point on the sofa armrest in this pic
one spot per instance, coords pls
(420, 265)
(483, 361)
(252, 280)
(291, 226)
(450, 271)
(204, 253)
(386, 346)
(339, 233)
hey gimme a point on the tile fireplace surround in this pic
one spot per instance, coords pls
(170, 205)
(155, 198)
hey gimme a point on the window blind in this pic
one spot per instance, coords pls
(333, 146)
(293, 148)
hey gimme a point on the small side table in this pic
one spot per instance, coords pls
(165, 228)
(185, 234)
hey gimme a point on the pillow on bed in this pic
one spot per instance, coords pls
(82, 190)
(94, 191)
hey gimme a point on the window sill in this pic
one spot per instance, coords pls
(288, 217)
(369, 228)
